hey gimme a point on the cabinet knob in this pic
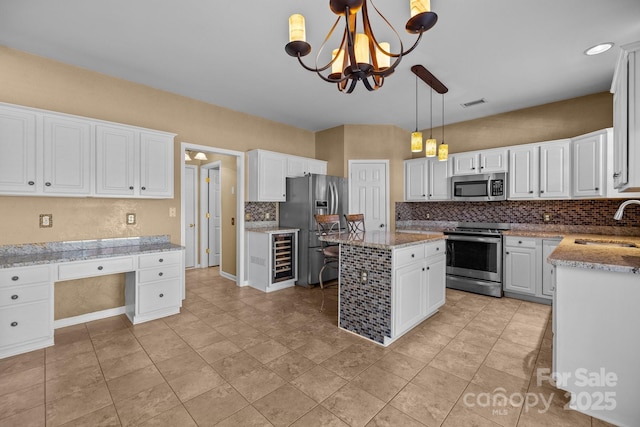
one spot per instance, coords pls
(519, 242)
(430, 195)
(541, 191)
(531, 192)
(161, 260)
(144, 188)
(31, 183)
(597, 189)
(160, 274)
(428, 268)
(284, 195)
(131, 187)
(473, 169)
(48, 184)
(14, 297)
(14, 324)
(413, 255)
(616, 175)
(100, 267)
(423, 195)
(437, 249)
(423, 269)
(506, 253)
(161, 295)
(15, 278)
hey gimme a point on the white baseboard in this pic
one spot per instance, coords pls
(89, 317)
(228, 276)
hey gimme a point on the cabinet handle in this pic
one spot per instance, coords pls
(160, 274)
(48, 184)
(100, 267)
(131, 188)
(15, 278)
(616, 175)
(31, 183)
(161, 295)
(14, 324)
(144, 188)
(161, 260)
(14, 297)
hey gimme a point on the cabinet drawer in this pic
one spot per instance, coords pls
(523, 242)
(159, 273)
(25, 275)
(25, 322)
(75, 270)
(160, 258)
(436, 248)
(158, 296)
(407, 255)
(12, 296)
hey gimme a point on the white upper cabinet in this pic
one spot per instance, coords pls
(540, 170)
(486, 161)
(68, 151)
(588, 165)
(426, 179)
(626, 119)
(438, 184)
(44, 153)
(301, 166)
(523, 172)
(18, 141)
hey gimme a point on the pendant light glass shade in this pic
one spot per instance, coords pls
(297, 30)
(187, 157)
(420, 6)
(430, 148)
(200, 156)
(443, 150)
(416, 142)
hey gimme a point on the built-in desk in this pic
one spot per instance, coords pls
(153, 266)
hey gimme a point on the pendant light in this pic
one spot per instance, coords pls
(200, 156)
(416, 137)
(443, 150)
(431, 145)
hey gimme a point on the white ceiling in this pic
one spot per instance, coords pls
(513, 53)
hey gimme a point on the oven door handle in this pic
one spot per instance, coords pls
(474, 238)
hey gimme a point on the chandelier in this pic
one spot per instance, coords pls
(360, 57)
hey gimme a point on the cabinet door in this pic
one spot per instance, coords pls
(296, 166)
(409, 305)
(272, 177)
(523, 176)
(520, 270)
(415, 180)
(115, 161)
(438, 182)
(494, 161)
(17, 151)
(465, 163)
(68, 150)
(554, 170)
(435, 295)
(548, 270)
(588, 166)
(317, 167)
(156, 165)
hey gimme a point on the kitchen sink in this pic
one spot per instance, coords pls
(612, 243)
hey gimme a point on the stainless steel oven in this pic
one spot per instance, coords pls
(474, 258)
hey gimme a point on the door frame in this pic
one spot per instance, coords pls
(384, 162)
(195, 212)
(239, 278)
(204, 205)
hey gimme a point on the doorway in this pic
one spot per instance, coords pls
(369, 192)
(235, 241)
(211, 215)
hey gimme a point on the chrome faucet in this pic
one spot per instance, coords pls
(618, 215)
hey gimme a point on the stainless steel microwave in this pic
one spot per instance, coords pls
(479, 188)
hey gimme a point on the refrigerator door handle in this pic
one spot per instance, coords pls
(332, 196)
(337, 197)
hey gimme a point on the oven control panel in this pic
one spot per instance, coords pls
(497, 187)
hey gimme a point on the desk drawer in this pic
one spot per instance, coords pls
(25, 322)
(158, 296)
(436, 248)
(523, 242)
(25, 275)
(160, 258)
(76, 270)
(21, 294)
(159, 273)
(409, 254)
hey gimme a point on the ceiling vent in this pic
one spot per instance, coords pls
(473, 103)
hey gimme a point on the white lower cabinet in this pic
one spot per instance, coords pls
(26, 309)
(418, 288)
(527, 274)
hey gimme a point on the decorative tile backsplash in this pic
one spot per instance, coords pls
(596, 212)
(258, 211)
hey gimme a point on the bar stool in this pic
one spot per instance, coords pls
(355, 223)
(327, 225)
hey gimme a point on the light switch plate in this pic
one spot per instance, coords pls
(46, 220)
(131, 219)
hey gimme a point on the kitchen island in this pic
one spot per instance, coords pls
(596, 325)
(388, 282)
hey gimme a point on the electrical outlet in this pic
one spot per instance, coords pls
(131, 219)
(46, 220)
(267, 215)
(247, 217)
(172, 212)
(428, 216)
(364, 276)
(547, 217)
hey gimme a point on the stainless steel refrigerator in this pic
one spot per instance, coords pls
(307, 196)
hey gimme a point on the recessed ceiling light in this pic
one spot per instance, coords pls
(599, 48)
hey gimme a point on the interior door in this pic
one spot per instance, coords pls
(214, 217)
(368, 192)
(190, 185)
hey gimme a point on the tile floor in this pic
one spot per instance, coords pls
(238, 357)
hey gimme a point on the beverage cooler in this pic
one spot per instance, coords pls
(271, 258)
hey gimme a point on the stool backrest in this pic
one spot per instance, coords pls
(355, 223)
(328, 224)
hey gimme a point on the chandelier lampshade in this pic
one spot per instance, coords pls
(360, 56)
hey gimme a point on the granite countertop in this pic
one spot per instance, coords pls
(533, 233)
(598, 257)
(381, 239)
(270, 230)
(56, 252)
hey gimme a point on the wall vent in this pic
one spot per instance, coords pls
(476, 102)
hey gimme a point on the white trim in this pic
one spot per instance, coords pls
(230, 277)
(196, 261)
(240, 235)
(204, 197)
(89, 317)
(388, 189)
